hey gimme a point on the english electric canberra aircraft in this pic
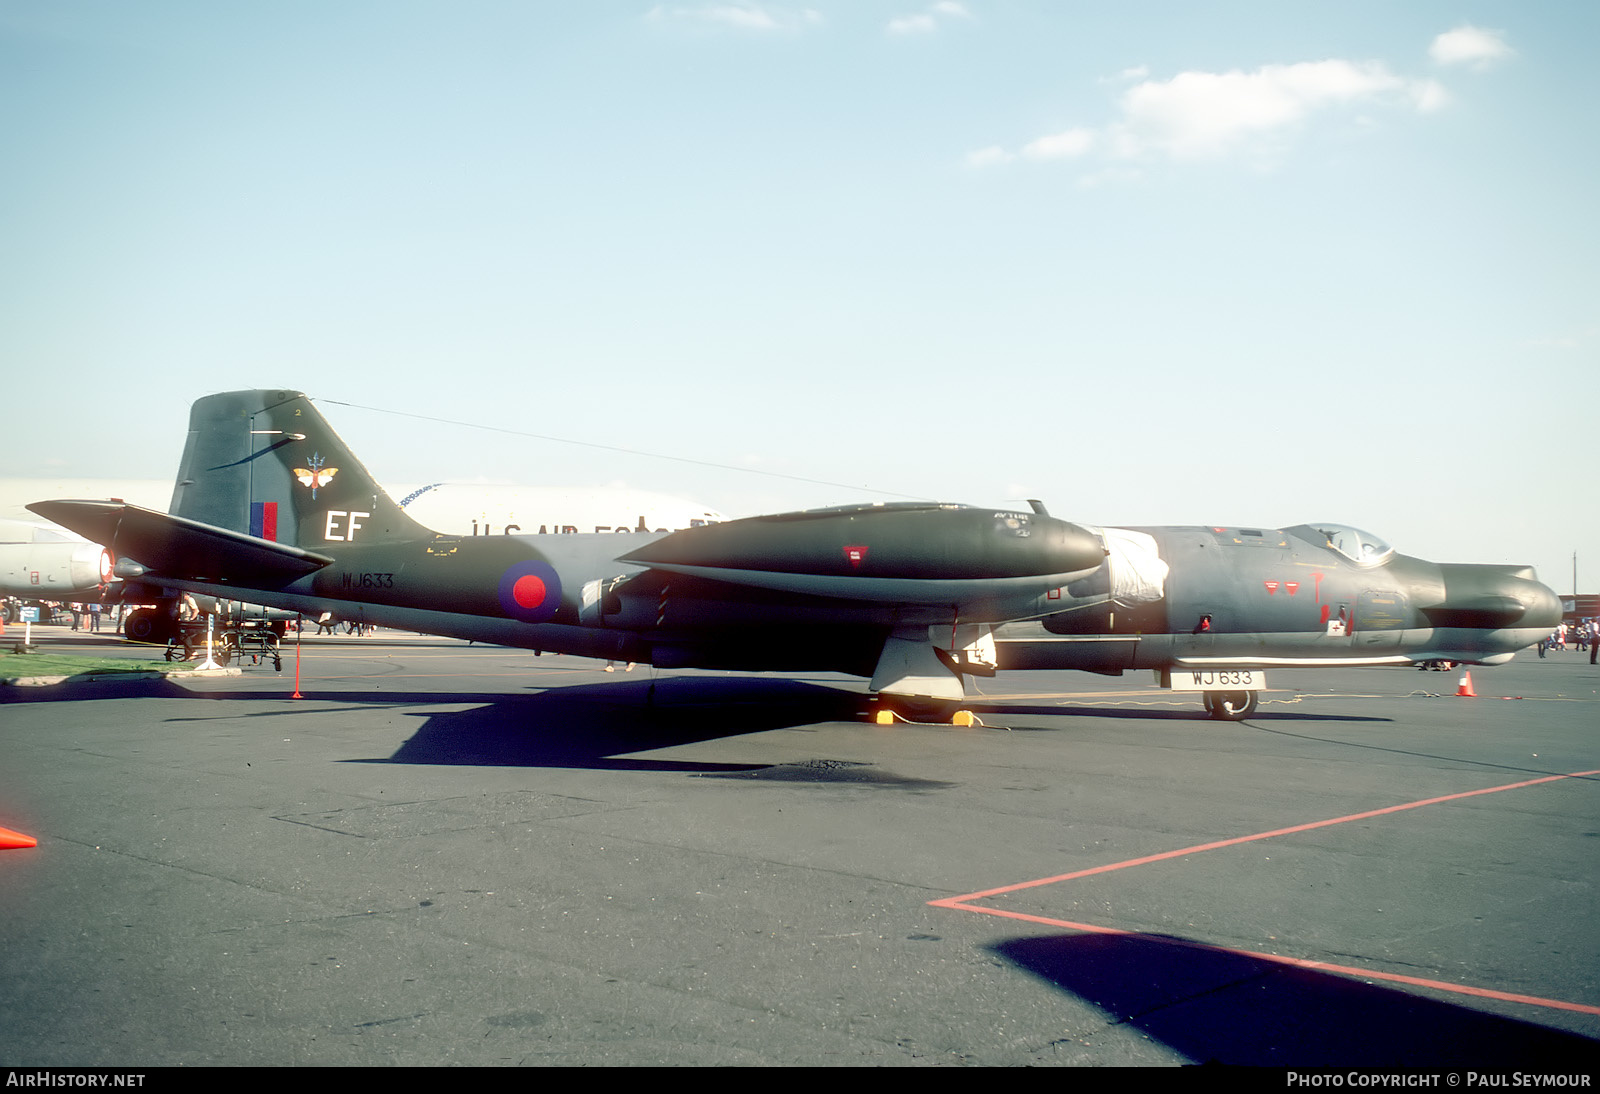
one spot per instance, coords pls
(271, 507)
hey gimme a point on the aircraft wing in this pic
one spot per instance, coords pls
(177, 547)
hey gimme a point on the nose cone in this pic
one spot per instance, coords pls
(1493, 598)
(1072, 548)
(1544, 606)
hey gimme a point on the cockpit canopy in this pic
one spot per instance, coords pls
(1362, 548)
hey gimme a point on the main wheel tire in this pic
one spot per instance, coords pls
(144, 625)
(1231, 706)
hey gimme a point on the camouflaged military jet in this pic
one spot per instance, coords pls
(271, 507)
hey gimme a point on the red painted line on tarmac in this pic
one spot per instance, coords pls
(962, 903)
(1279, 959)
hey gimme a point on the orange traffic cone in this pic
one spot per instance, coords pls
(8, 838)
(1465, 687)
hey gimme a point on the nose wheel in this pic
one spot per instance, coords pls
(1231, 705)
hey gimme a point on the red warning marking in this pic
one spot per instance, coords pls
(963, 903)
(857, 554)
(1272, 587)
(1291, 587)
(528, 591)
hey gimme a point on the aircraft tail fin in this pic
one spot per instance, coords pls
(268, 464)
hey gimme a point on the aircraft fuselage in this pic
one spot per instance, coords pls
(1264, 597)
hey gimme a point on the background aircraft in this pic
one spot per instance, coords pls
(38, 562)
(482, 509)
(271, 507)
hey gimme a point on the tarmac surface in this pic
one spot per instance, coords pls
(446, 854)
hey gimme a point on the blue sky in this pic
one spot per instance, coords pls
(1250, 263)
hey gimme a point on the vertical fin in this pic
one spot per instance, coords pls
(267, 463)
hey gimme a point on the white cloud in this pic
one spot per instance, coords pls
(1060, 146)
(989, 157)
(1246, 114)
(929, 20)
(1429, 95)
(913, 24)
(741, 16)
(1198, 114)
(1137, 72)
(1469, 45)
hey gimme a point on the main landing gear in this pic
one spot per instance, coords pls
(1231, 706)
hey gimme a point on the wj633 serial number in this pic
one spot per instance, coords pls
(367, 581)
(1218, 680)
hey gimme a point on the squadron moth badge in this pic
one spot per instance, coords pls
(317, 475)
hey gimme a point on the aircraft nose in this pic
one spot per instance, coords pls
(1543, 605)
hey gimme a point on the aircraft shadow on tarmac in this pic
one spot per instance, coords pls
(598, 725)
(1213, 1006)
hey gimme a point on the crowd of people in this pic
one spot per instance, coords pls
(1583, 635)
(87, 617)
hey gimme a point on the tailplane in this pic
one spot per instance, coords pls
(267, 464)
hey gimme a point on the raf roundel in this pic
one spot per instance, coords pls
(530, 591)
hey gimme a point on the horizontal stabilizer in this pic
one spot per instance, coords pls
(177, 547)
